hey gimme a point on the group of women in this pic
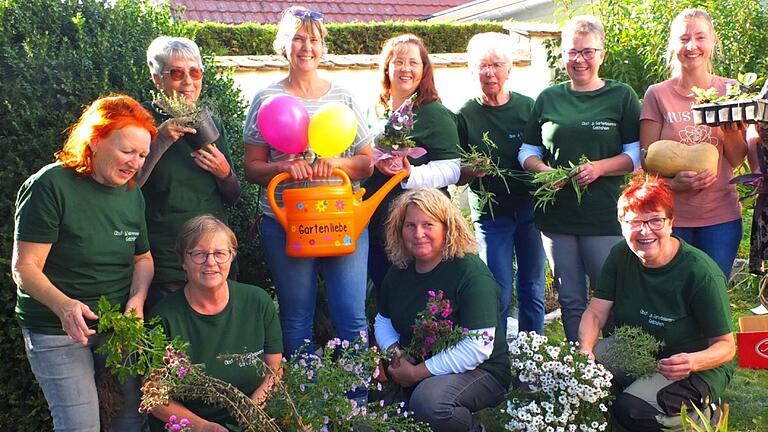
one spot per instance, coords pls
(131, 212)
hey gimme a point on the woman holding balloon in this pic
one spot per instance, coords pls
(306, 126)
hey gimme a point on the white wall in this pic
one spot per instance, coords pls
(455, 85)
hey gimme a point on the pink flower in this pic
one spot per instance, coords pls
(431, 293)
(433, 309)
(446, 312)
(429, 340)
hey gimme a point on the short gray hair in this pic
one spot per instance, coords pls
(483, 44)
(164, 47)
(584, 24)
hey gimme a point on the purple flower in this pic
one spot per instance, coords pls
(431, 293)
(446, 312)
(176, 427)
(433, 309)
(183, 371)
(429, 340)
(184, 422)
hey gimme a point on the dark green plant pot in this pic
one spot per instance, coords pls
(206, 131)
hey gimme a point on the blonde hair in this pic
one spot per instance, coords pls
(584, 24)
(673, 64)
(288, 26)
(459, 240)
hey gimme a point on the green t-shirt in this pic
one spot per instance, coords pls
(505, 125)
(248, 324)
(682, 303)
(176, 191)
(94, 231)
(474, 296)
(596, 124)
(434, 129)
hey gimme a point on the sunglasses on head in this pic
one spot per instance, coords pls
(306, 13)
(177, 74)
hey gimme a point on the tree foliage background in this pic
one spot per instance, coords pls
(637, 33)
(56, 56)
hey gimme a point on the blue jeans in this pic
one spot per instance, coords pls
(720, 242)
(65, 370)
(447, 402)
(513, 241)
(295, 280)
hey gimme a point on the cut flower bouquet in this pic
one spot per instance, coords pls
(395, 141)
(434, 332)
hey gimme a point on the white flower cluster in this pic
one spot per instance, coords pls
(569, 392)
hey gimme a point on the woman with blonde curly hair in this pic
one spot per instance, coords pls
(432, 249)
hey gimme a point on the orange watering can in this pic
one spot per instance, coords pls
(325, 220)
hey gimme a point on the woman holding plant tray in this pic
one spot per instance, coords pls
(434, 259)
(707, 206)
(658, 282)
(180, 180)
(585, 131)
(301, 40)
(502, 204)
(408, 88)
(217, 317)
(81, 234)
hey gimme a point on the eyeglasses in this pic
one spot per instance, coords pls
(654, 224)
(302, 13)
(220, 256)
(586, 53)
(495, 67)
(177, 74)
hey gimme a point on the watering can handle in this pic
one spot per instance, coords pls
(272, 186)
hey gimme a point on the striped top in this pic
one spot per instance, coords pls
(252, 135)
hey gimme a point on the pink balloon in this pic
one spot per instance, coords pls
(284, 122)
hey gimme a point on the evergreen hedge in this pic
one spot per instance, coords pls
(353, 38)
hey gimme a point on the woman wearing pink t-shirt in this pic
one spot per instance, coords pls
(707, 207)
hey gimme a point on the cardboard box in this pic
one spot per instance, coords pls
(753, 341)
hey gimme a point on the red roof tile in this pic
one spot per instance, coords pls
(339, 11)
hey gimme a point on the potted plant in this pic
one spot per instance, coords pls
(200, 115)
(741, 103)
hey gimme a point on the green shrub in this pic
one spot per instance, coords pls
(56, 56)
(637, 32)
(353, 38)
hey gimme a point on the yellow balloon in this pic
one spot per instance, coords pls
(332, 129)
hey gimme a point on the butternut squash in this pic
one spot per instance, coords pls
(666, 158)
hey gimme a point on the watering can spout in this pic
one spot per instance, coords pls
(366, 208)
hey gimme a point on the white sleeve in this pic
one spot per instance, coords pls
(386, 335)
(437, 173)
(633, 151)
(465, 356)
(528, 150)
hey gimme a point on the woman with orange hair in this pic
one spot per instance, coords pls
(80, 234)
(656, 281)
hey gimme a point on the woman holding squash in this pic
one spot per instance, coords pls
(707, 207)
(586, 116)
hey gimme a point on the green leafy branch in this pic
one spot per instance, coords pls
(747, 88)
(632, 351)
(477, 160)
(132, 348)
(548, 183)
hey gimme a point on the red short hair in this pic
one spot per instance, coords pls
(427, 90)
(98, 120)
(646, 194)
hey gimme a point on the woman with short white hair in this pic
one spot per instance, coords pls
(505, 228)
